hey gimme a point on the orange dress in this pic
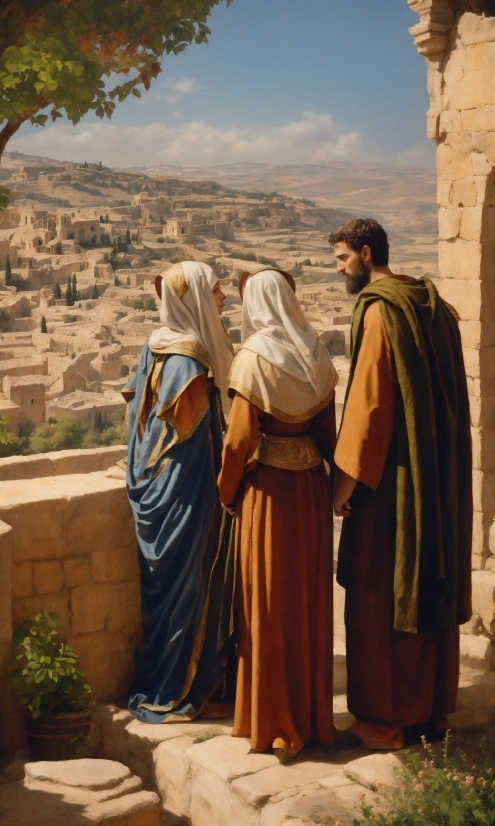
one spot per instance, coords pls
(394, 679)
(284, 610)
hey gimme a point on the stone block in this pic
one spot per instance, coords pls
(459, 141)
(450, 121)
(484, 599)
(39, 529)
(476, 700)
(340, 804)
(26, 609)
(468, 28)
(77, 570)
(490, 144)
(93, 527)
(477, 87)
(479, 119)
(483, 491)
(465, 296)
(124, 608)
(257, 789)
(172, 775)
(108, 662)
(471, 223)
(22, 580)
(90, 608)
(452, 164)
(464, 193)
(375, 770)
(230, 757)
(478, 141)
(48, 577)
(481, 164)
(444, 188)
(471, 333)
(79, 792)
(115, 564)
(483, 439)
(477, 651)
(460, 259)
(212, 801)
(449, 222)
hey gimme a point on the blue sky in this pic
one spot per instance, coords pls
(287, 81)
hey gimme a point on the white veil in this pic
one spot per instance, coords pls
(191, 324)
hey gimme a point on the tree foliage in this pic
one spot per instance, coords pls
(55, 55)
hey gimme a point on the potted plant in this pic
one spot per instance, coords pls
(52, 688)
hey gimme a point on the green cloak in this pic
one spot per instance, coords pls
(432, 572)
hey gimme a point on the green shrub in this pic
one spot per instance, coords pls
(44, 669)
(439, 790)
(69, 319)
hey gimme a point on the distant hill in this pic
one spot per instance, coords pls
(403, 197)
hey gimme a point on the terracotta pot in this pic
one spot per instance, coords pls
(58, 737)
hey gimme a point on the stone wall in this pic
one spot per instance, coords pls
(70, 543)
(457, 38)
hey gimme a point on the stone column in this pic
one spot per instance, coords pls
(459, 47)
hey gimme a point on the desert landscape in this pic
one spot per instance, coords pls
(81, 245)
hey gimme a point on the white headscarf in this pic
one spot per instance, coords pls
(191, 324)
(281, 363)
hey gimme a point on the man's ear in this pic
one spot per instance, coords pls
(367, 255)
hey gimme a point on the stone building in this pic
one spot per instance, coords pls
(28, 393)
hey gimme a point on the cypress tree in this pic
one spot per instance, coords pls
(8, 272)
(128, 236)
(57, 292)
(43, 324)
(68, 293)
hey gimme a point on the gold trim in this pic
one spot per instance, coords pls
(176, 280)
(274, 411)
(288, 452)
(192, 349)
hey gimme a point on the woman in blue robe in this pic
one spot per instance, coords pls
(175, 441)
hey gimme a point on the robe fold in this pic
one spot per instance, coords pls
(284, 582)
(173, 461)
(396, 677)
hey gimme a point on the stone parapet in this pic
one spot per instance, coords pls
(70, 543)
(60, 463)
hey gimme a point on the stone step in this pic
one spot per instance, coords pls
(207, 778)
(87, 792)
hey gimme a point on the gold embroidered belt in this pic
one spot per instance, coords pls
(288, 452)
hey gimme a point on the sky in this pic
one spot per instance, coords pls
(280, 81)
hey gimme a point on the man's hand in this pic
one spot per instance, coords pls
(342, 491)
(230, 510)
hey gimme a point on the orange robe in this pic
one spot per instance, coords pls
(284, 583)
(395, 679)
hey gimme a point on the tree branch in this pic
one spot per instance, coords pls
(11, 128)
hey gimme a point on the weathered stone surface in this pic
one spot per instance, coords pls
(256, 789)
(115, 564)
(77, 570)
(78, 792)
(484, 599)
(476, 700)
(48, 577)
(96, 651)
(108, 527)
(85, 774)
(229, 757)
(24, 609)
(375, 770)
(477, 651)
(172, 774)
(22, 580)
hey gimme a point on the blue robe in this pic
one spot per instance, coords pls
(171, 484)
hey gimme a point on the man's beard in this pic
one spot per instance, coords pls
(357, 282)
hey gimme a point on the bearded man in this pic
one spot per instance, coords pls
(403, 485)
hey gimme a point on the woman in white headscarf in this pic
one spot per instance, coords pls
(281, 427)
(176, 398)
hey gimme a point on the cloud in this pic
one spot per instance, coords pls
(186, 85)
(313, 139)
